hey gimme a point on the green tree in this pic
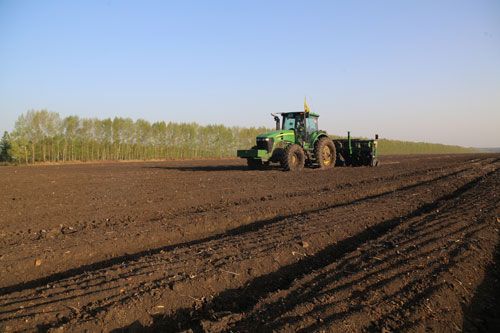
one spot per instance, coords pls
(69, 128)
(5, 148)
(20, 140)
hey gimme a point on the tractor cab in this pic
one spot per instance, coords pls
(303, 124)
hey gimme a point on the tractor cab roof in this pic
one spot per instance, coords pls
(311, 114)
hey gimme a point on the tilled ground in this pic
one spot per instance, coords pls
(210, 246)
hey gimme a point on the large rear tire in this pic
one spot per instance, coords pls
(325, 153)
(293, 158)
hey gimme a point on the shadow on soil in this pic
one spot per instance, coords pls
(240, 300)
(256, 225)
(205, 168)
(223, 168)
(483, 313)
(243, 299)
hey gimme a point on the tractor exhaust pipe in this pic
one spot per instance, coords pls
(349, 143)
(277, 120)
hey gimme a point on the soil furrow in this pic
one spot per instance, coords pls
(371, 253)
(201, 225)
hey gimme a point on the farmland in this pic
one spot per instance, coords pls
(207, 245)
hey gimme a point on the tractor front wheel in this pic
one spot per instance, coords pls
(254, 164)
(325, 153)
(293, 158)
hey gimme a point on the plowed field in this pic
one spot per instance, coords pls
(199, 246)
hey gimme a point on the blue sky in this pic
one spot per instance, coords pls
(412, 70)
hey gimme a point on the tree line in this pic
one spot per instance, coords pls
(44, 136)
(397, 147)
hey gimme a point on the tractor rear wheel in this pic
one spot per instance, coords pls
(293, 158)
(325, 153)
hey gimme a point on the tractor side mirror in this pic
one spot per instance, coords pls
(376, 136)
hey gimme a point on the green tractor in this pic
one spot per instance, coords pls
(297, 142)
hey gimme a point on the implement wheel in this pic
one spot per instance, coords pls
(325, 153)
(293, 158)
(374, 162)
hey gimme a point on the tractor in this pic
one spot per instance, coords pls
(297, 142)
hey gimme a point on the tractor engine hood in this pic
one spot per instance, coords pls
(276, 135)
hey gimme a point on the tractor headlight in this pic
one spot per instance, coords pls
(265, 144)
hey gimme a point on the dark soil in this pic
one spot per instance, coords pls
(411, 245)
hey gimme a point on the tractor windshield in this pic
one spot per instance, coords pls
(312, 124)
(292, 120)
(288, 123)
(295, 121)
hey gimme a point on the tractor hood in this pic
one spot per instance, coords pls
(276, 135)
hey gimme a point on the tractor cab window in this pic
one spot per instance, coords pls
(293, 121)
(288, 123)
(311, 124)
